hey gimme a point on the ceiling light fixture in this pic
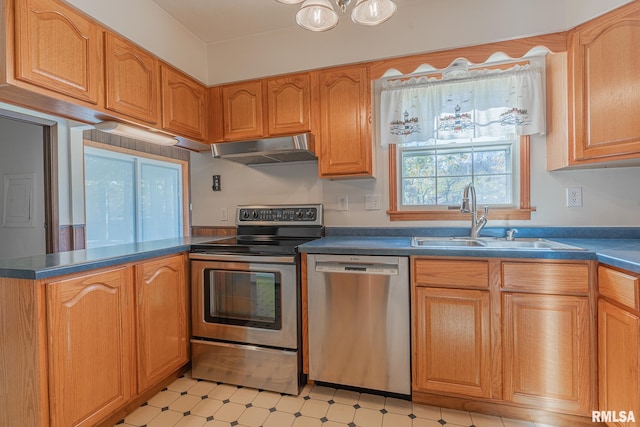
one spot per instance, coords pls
(319, 15)
(135, 132)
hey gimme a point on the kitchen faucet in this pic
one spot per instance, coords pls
(470, 206)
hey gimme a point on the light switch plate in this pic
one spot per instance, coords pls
(343, 203)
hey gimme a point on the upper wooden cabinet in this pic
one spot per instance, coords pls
(242, 115)
(58, 49)
(263, 108)
(344, 137)
(593, 90)
(185, 104)
(132, 80)
(289, 104)
(604, 88)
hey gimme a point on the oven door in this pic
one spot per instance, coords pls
(251, 301)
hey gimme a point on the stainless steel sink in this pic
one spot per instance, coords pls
(445, 242)
(491, 243)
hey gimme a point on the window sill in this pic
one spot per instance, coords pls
(504, 214)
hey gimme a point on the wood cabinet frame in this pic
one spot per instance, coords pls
(345, 148)
(71, 65)
(132, 80)
(619, 342)
(513, 284)
(32, 367)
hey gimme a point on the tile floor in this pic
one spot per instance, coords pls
(194, 403)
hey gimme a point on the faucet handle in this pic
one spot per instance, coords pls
(486, 211)
(510, 234)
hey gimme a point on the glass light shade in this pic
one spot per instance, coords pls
(317, 15)
(290, 1)
(373, 12)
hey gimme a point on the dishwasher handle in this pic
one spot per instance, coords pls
(356, 268)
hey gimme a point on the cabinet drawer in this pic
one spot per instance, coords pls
(459, 274)
(546, 278)
(619, 287)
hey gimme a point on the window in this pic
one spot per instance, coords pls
(447, 131)
(132, 198)
(435, 175)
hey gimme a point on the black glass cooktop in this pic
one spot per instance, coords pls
(262, 240)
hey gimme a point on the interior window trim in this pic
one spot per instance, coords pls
(523, 212)
(184, 175)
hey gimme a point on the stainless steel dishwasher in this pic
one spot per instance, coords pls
(359, 326)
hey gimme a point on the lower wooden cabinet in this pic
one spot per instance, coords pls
(513, 335)
(90, 344)
(161, 319)
(451, 341)
(76, 350)
(546, 352)
(619, 344)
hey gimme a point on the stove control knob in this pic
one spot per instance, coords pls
(255, 215)
(299, 214)
(310, 214)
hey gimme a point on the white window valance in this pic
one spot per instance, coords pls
(482, 103)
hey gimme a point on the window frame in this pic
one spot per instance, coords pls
(184, 175)
(523, 212)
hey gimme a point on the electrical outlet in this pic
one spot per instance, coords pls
(372, 202)
(574, 197)
(343, 203)
(224, 214)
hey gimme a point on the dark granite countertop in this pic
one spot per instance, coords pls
(58, 264)
(619, 247)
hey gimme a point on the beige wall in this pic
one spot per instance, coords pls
(419, 26)
(148, 25)
(610, 196)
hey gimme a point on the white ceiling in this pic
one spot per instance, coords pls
(215, 21)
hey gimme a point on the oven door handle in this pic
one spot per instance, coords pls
(284, 259)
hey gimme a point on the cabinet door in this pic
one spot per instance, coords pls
(58, 49)
(184, 105)
(606, 86)
(242, 111)
(345, 137)
(289, 104)
(618, 361)
(132, 80)
(161, 319)
(546, 352)
(451, 341)
(90, 346)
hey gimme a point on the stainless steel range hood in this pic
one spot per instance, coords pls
(294, 148)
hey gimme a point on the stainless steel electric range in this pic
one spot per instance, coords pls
(246, 299)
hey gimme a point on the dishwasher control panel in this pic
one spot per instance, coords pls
(338, 267)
